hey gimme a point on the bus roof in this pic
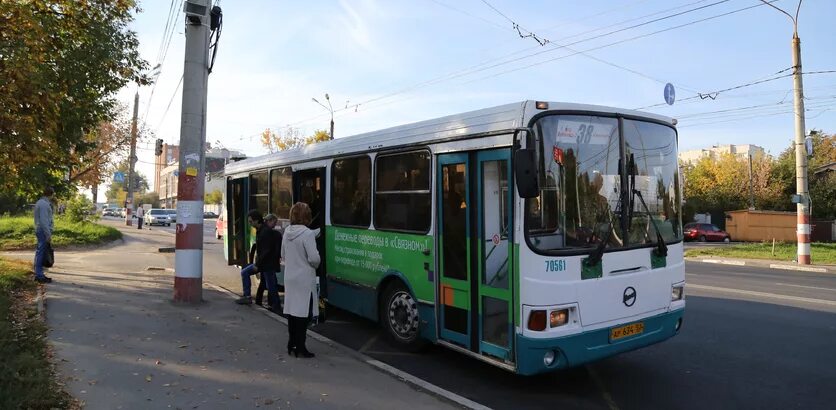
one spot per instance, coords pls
(484, 121)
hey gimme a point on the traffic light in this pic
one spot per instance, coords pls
(158, 150)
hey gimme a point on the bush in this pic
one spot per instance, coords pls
(79, 209)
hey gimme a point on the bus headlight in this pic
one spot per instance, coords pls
(558, 317)
(676, 293)
(549, 357)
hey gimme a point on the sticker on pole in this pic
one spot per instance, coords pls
(191, 171)
(670, 94)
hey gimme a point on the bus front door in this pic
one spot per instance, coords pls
(236, 221)
(475, 243)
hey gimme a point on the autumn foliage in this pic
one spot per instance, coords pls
(61, 64)
(290, 138)
(721, 184)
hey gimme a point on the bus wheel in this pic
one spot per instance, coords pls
(399, 317)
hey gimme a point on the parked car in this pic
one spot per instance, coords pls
(209, 215)
(122, 212)
(172, 215)
(705, 232)
(220, 226)
(157, 216)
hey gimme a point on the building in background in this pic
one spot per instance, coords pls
(168, 157)
(743, 151)
(216, 160)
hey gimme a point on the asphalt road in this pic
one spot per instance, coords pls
(752, 338)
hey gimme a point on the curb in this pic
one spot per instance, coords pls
(415, 381)
(798, 268)
(764, 264)
(724, 262)
(40, 301)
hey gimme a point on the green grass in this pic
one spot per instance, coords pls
(822, 253)
(18, 232)
(26, 375)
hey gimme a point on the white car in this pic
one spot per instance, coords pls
(157, 217)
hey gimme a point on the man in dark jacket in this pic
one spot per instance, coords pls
(268, 244)
(267, 249)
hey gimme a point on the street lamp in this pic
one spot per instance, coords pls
(801, 191)
(330, 109)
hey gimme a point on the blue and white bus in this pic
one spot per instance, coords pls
(533, 236)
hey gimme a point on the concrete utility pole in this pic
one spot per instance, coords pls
(188, 257)
(803, 205)
(129, 198)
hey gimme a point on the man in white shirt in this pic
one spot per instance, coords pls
(43, 231)
(140, 215)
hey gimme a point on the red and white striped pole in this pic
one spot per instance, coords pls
(801, 190)
(803, 234)
(188, 256)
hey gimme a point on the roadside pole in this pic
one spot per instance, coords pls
(129, 198)
(803, 205)
(802, 196)
(188, 257)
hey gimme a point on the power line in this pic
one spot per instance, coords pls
(714, 94)
(174, 94)
(608, 45)
(482, 67)
(544, 41)
(165, 45)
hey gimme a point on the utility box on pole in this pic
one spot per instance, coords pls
(188, 258)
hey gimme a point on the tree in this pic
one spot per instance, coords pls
(215, 197)
(722, 184)
(117, 190)
(291, 138)
(61, 64)
(112, 139)
(820, 186)
(151, 198)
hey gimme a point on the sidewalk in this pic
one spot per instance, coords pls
(120, 343)
(764, 263)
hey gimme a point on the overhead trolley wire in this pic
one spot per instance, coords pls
(482, 67)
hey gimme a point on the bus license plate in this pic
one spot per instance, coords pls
(626, 330)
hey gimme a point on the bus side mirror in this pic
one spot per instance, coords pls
(525, 172)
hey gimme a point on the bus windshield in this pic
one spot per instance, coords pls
(582, 199)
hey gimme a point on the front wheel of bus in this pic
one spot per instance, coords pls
(399, 317)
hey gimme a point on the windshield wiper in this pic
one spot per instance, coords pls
(661, 247)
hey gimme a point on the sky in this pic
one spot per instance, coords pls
(390, 62)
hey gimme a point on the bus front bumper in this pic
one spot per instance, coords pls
(589, 346)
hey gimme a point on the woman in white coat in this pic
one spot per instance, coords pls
(300, 262)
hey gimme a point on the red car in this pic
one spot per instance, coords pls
(705, 232)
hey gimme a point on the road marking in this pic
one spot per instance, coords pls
(723, 262)
(806, 287)
(368, 344)
(800, 268)
(600, 383)
(377, 352)
(763, 294)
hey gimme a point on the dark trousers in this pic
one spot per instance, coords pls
(268, 278)
(297, 328)
(139, 223)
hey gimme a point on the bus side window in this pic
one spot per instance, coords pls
(402, 192)
(350, 192)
